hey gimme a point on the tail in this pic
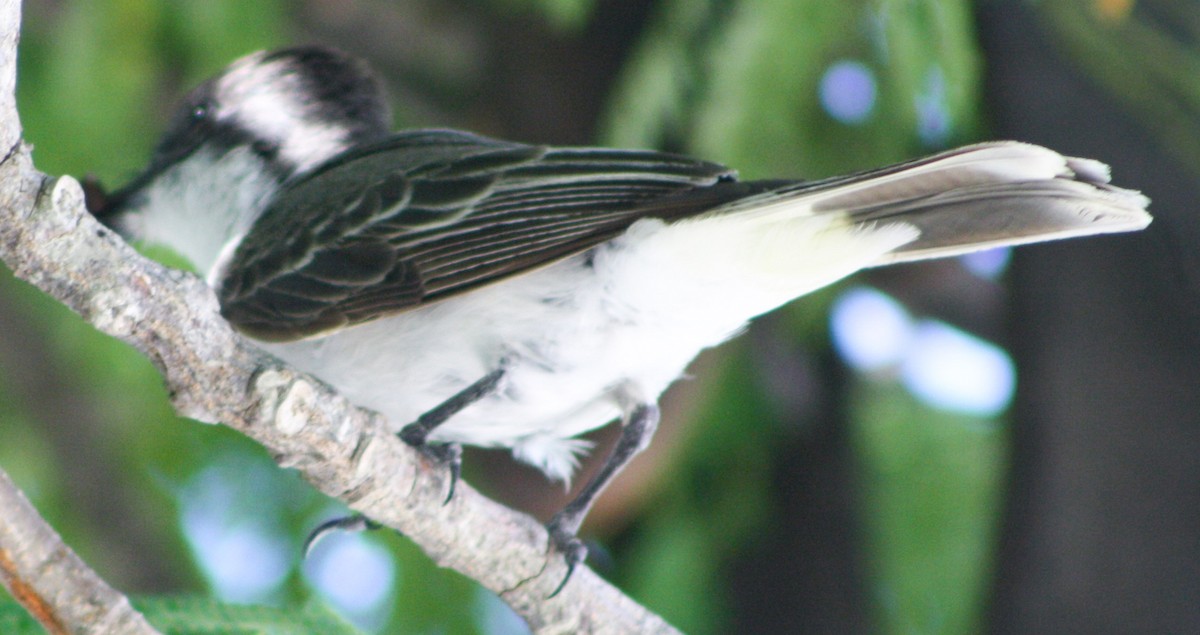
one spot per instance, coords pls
(968, 199)
(760, 244)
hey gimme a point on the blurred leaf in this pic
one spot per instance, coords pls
(14, 620)
(83, 86)
(931, 490)
(673, 567)
(208, 35)
(88, 78)
(711, 508)
(429, 598)
(764, 113)
(741, 84)
(1150, 68)
(202, 616)
(564, 15)
(24, 453)
(653, 99)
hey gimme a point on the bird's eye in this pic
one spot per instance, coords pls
(200, 111)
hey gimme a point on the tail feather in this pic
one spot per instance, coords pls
(1006, 214)
(968, 199)
(958, 169)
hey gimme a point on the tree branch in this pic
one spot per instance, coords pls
(214, 375)
(57, 588)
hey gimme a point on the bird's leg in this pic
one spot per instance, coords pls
(639, 427)
(417, 433)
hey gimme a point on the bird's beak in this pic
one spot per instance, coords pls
(95, 198)
(112, 208)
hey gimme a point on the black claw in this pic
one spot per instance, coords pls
(572, 549)
(355, 522)
(416, 434)
(447, 454)
(639, 427)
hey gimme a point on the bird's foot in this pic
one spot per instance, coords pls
(440, 454)
(566, 543)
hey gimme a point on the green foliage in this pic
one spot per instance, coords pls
(14, 620)
(653, 102)
(1149, 67)
(203, 616)
(739, 82)
(430, 599)
(709, 508)
(931, 491)
(88, 70)
(565, 15)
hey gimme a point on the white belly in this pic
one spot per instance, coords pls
(582, 340)
(572, 365)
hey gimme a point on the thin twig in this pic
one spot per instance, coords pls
(42, 573)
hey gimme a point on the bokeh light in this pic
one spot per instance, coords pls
(870, 330)
(958, 372)
(940, 365)
(988, 264)
(356, 575)
(933, 113)
(495, 617)
(244, 558)
(847, 91)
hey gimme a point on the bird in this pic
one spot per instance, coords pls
(510, 295)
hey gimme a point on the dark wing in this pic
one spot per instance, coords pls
(428, 214)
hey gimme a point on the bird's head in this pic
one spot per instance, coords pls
(268, 117)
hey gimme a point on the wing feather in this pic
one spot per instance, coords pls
(428, 214)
